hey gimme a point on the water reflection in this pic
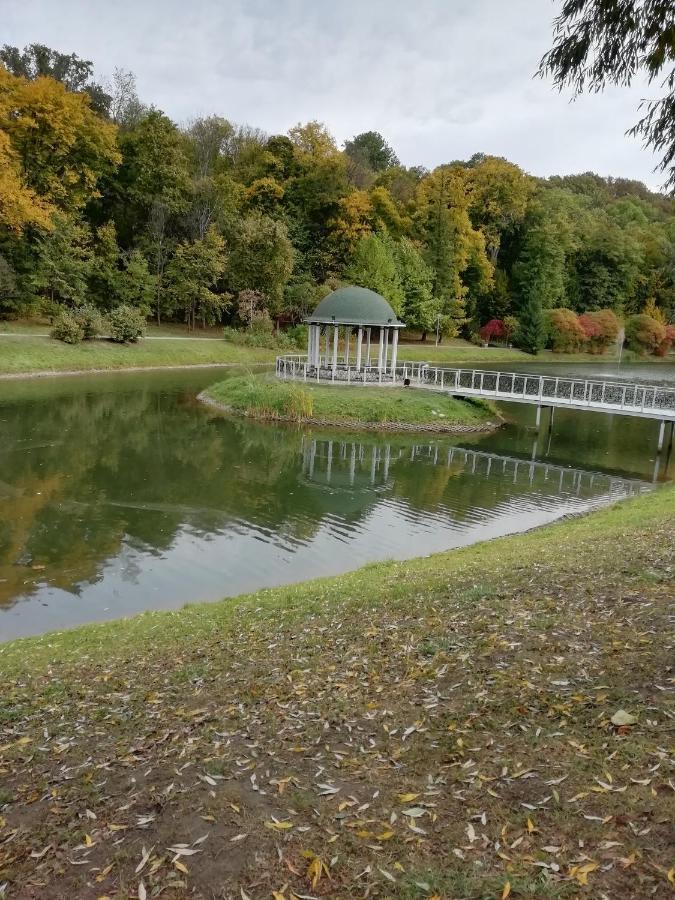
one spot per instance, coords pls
(122, 493)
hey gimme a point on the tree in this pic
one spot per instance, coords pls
(60, 148)
(531, 335)
(262, 257)
(419, 309)
(600, 42)
(63, 263)
(499, 195)
(192, 274)
(8, 286)
(313, 139)
(104, 278)
(39, 61)
(451, 243)
(126, 110)
(137, 285)
(370, 148)
(373, 266)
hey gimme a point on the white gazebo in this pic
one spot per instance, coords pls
(354, 330)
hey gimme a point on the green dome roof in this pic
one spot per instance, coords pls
(354, 306)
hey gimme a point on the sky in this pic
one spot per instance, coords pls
(440, 79)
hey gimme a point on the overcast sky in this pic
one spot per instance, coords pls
(440, 79)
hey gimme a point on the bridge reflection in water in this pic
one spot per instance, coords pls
(351, 465)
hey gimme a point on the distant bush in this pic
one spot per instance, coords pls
(665, 345)
(90, 320)
(126, 324)
(260, 335)
(644, 334)
(493, 330)
(68, 328)
(601, 329)
(565, 331)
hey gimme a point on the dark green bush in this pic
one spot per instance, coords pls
(126, 324)
(68, 328)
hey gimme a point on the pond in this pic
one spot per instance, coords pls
(121, 493)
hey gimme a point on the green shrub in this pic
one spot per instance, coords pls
(126, 324)
(68, 328)
(644, 334)
(252, 337)
(90, 320)
(298, 335)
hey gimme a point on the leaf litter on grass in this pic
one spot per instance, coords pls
(440, 742)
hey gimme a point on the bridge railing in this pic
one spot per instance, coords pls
(594, 393)
(575, 391)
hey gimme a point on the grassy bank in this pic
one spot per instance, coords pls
(262, 397)
(22, 354)
(433, 728)
(27, 350)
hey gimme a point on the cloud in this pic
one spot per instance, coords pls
(441, 80)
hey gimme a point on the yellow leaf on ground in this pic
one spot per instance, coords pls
(507, 890)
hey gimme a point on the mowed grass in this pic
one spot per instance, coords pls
(40, 354)
(268, 398)
(433, 728)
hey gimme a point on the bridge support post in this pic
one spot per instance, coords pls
(538, 419)
(662, 431)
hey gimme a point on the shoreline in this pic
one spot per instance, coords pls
(56, 373)
(353, 425)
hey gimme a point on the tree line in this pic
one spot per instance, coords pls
(104, 200)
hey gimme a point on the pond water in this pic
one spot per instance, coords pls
(120, 493)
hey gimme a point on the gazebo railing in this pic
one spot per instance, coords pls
(298, 368)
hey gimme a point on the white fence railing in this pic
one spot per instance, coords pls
(545, 390)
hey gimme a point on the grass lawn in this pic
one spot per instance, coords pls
(434, 728)
(261, 397)
(38, 354)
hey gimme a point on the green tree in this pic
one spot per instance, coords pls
(63, 263)
(370, 148)
(137, 285)
(261, 259)
(419, 309)
(104, 278)
(373, 266)
(532, 333)
(193, 273)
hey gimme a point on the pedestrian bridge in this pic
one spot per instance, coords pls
(597, 395)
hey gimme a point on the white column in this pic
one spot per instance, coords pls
(386, 350)
(348, 337)
(368, 347)
(327, 327)
(380, 348)
(336, 332)
(394, 351)
(359, 341)
(311, 339)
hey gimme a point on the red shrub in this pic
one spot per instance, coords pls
(666, 343)
(601, 329)
(566, 333)
(493, 329)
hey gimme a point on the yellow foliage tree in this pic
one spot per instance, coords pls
(55, 150)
